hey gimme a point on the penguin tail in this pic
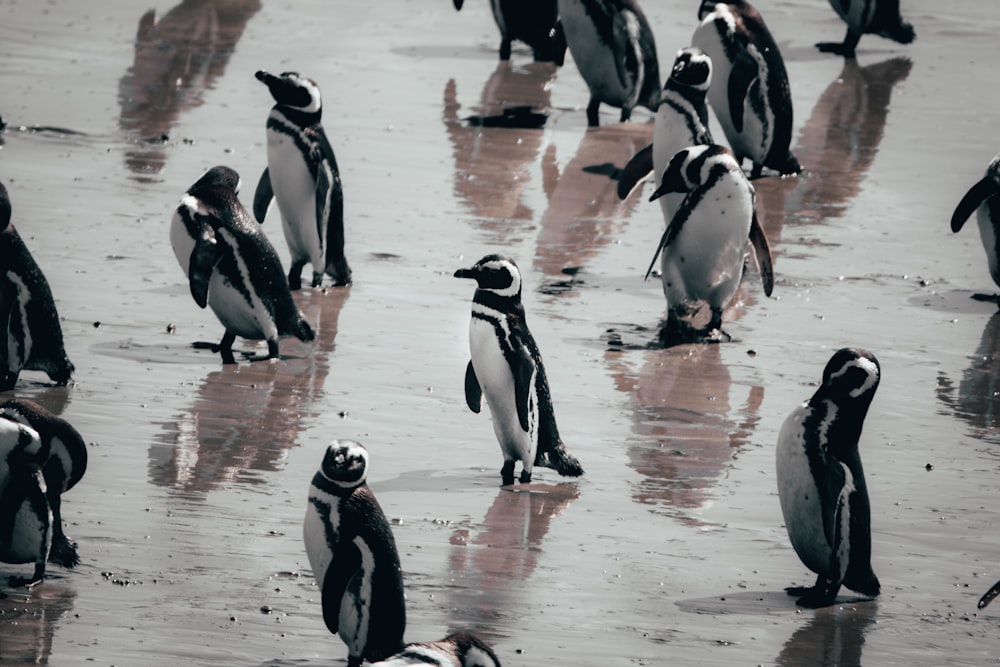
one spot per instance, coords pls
(559, 459)
(902, 33)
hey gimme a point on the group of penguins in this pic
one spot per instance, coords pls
(708, 203)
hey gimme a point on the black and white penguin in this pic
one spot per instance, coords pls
(30, 334)
(353, 556)
(41, 457)
(613, 47)
(750, 93)
(459, 649)
(232, 267)
(876, 17)
(302, 175)
(821, 484)
(982, 198)
(534, 22)
(705, 243)
(507, 367)
(681, 121)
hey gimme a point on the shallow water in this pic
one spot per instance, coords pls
(672, 546)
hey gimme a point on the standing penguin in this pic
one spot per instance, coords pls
(507, 367)
(459, 649)
(681, 121)
(353, 556)
(30, 335)
(750, 93)
(821, 484)
(41, 457)
(982, 198)
(302, 175)
(232, 267)
(705, 242)
(534, 22)
(877, 17)
(613, 47)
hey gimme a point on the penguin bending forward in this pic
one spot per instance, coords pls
(232, 267)
(459, 649)
(982, 198)
(41, 457)
(614, 49)
(507, 367)
(302, 175)
(821, 484)
(704, 246)
(30, 334)
(353, 556)
(877, 17)
(750, 93)
(534, 22)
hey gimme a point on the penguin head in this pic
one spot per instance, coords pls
(495, 273)
(852, 375)
(692, 69)
(217, 188)
(706, 8)
(4, 208)
(67, 452)
(691, 167)
(345, 463)
(472, 651)
(293, 91)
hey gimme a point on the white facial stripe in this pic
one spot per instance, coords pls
(315, 101)
(871, 375)
(476, 657)
(193, 204)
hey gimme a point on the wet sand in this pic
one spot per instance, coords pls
(671, 548)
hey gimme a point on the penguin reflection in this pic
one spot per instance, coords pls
(836, 146)
(684, 431)
(28, 623)
(977, 400)
(177, 58)
(246, 417)
(488, 561)
(492, 162)
(833, 636)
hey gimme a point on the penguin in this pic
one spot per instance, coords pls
(534, 22)
(681, 121)
(876, 17)
(232, 267)
(353, 556)
(750, 94)
(31, 337)
(821, 484)
(507, 367)
(705, 243)
(982, 198)
(459, 649)
(613, 47)
(59, 463)
(302, 175)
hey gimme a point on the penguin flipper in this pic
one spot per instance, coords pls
(473, 392)
(203, 259)
(670, 233)
(762, 249)
(262, 196)
(988, 597)
(741, 77)
(524, 376)
(637, 169)
(344, 565)
(976, 195)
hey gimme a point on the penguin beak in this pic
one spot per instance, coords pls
(466, 273)
(264, 77)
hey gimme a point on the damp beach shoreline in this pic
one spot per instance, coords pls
(671, 547)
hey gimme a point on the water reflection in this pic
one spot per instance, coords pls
(28, 622)
(490, 562)
(177, 58)
(977, 400)
(833, 636)
(247, 416)
(492, 163)
(836, 147)
(685, 432)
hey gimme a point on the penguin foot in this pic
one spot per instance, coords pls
(317, 279)
(525, 477)
(8, 381)
(24, 582)
(815, 597)
(836, 48)
(63, 552)
(507, 473)
(987, 298)
(339, 271)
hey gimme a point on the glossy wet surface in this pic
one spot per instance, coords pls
(671, 547)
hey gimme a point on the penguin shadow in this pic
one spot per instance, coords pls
(28, 622)
(836, 147)
(976, 399)
(245, 417)
(686, 430)
(488, 561)
(833, 636)
(496, 144)
(584, 210)
(177, 58)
